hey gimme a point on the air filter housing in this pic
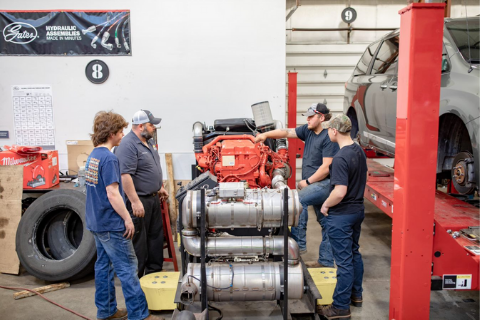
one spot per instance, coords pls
(262, 115)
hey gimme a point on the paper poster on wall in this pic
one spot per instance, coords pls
(33, 116)
(65, 32)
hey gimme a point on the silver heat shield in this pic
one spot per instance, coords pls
(259, 208)
(245, 246)
(242, 282)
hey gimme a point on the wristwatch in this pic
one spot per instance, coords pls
(308, 182)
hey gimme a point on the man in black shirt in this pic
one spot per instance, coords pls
(344, 210)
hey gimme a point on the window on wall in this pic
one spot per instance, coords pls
(362, 65)
(387, 57)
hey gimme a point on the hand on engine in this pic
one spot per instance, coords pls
(138, 210)
(260, 138)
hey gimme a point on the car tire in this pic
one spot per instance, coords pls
(43, 237)
(353, 119)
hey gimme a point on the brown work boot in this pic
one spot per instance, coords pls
(152, 317)
(121, 314)
(314, 264)
(356, 301)
(331, 313)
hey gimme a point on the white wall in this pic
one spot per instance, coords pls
(192, 61)
(370, 14)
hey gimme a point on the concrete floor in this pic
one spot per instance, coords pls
(375, 248)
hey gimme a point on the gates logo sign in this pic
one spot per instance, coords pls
(19, 33)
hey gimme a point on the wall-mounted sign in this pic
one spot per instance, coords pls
(349, 15)
(33, 115)
(4, 135)
(65, 32)
(97, 71)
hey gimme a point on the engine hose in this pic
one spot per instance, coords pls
(52, 302)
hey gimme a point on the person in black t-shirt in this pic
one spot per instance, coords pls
(344, 210)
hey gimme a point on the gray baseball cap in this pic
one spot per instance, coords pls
(145, 116)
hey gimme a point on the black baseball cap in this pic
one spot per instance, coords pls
(316, 108)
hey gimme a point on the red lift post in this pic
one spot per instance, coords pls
(418, 98)
(292, 123)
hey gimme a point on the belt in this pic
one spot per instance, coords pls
(154, 194)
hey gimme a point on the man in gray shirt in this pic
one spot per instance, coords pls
(142, 182)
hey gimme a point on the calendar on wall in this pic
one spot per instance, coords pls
(33, 115)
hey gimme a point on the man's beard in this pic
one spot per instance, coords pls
(147, 135)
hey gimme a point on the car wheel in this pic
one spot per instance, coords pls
(463, 173)
(353, 118)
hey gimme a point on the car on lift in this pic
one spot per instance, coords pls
(371, 97)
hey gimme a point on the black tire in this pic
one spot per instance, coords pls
(41, 223)
(57, 236)
(353, 119)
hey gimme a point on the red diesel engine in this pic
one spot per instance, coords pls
(228, 150)
(238, 158)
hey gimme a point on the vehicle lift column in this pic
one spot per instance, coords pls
(418, 99)
(292, 123)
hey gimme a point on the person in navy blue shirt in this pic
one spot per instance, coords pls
(344, 210)
(314, 187)
(111, 225)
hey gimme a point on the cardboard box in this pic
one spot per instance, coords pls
(40, 170)
(11, 204)
(78, 152)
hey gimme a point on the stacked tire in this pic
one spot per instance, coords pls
(52, 241)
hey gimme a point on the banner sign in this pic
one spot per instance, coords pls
(65, 32)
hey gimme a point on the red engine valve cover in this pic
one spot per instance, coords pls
(238, 158)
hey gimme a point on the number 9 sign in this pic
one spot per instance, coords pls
(349, 15)
(97, 71)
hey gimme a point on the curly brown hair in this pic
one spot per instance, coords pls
(105, 124)
(328, 116)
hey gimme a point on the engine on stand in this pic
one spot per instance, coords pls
(243, 200)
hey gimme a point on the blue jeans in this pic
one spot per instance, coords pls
(314, 195)
(344, 233)
(116, 254)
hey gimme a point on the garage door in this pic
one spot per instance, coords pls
(322, 73)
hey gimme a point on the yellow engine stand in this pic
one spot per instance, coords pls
(325, 280)
(159, 289)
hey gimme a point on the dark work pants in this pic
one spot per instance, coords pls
(344, 234)
(148, 237)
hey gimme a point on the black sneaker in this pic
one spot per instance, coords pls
(331, 313)
(356, 301)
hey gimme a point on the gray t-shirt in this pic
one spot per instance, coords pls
(141, 162)
(317, 146)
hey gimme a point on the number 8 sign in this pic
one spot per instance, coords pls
(97, 71)
(349, 15)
